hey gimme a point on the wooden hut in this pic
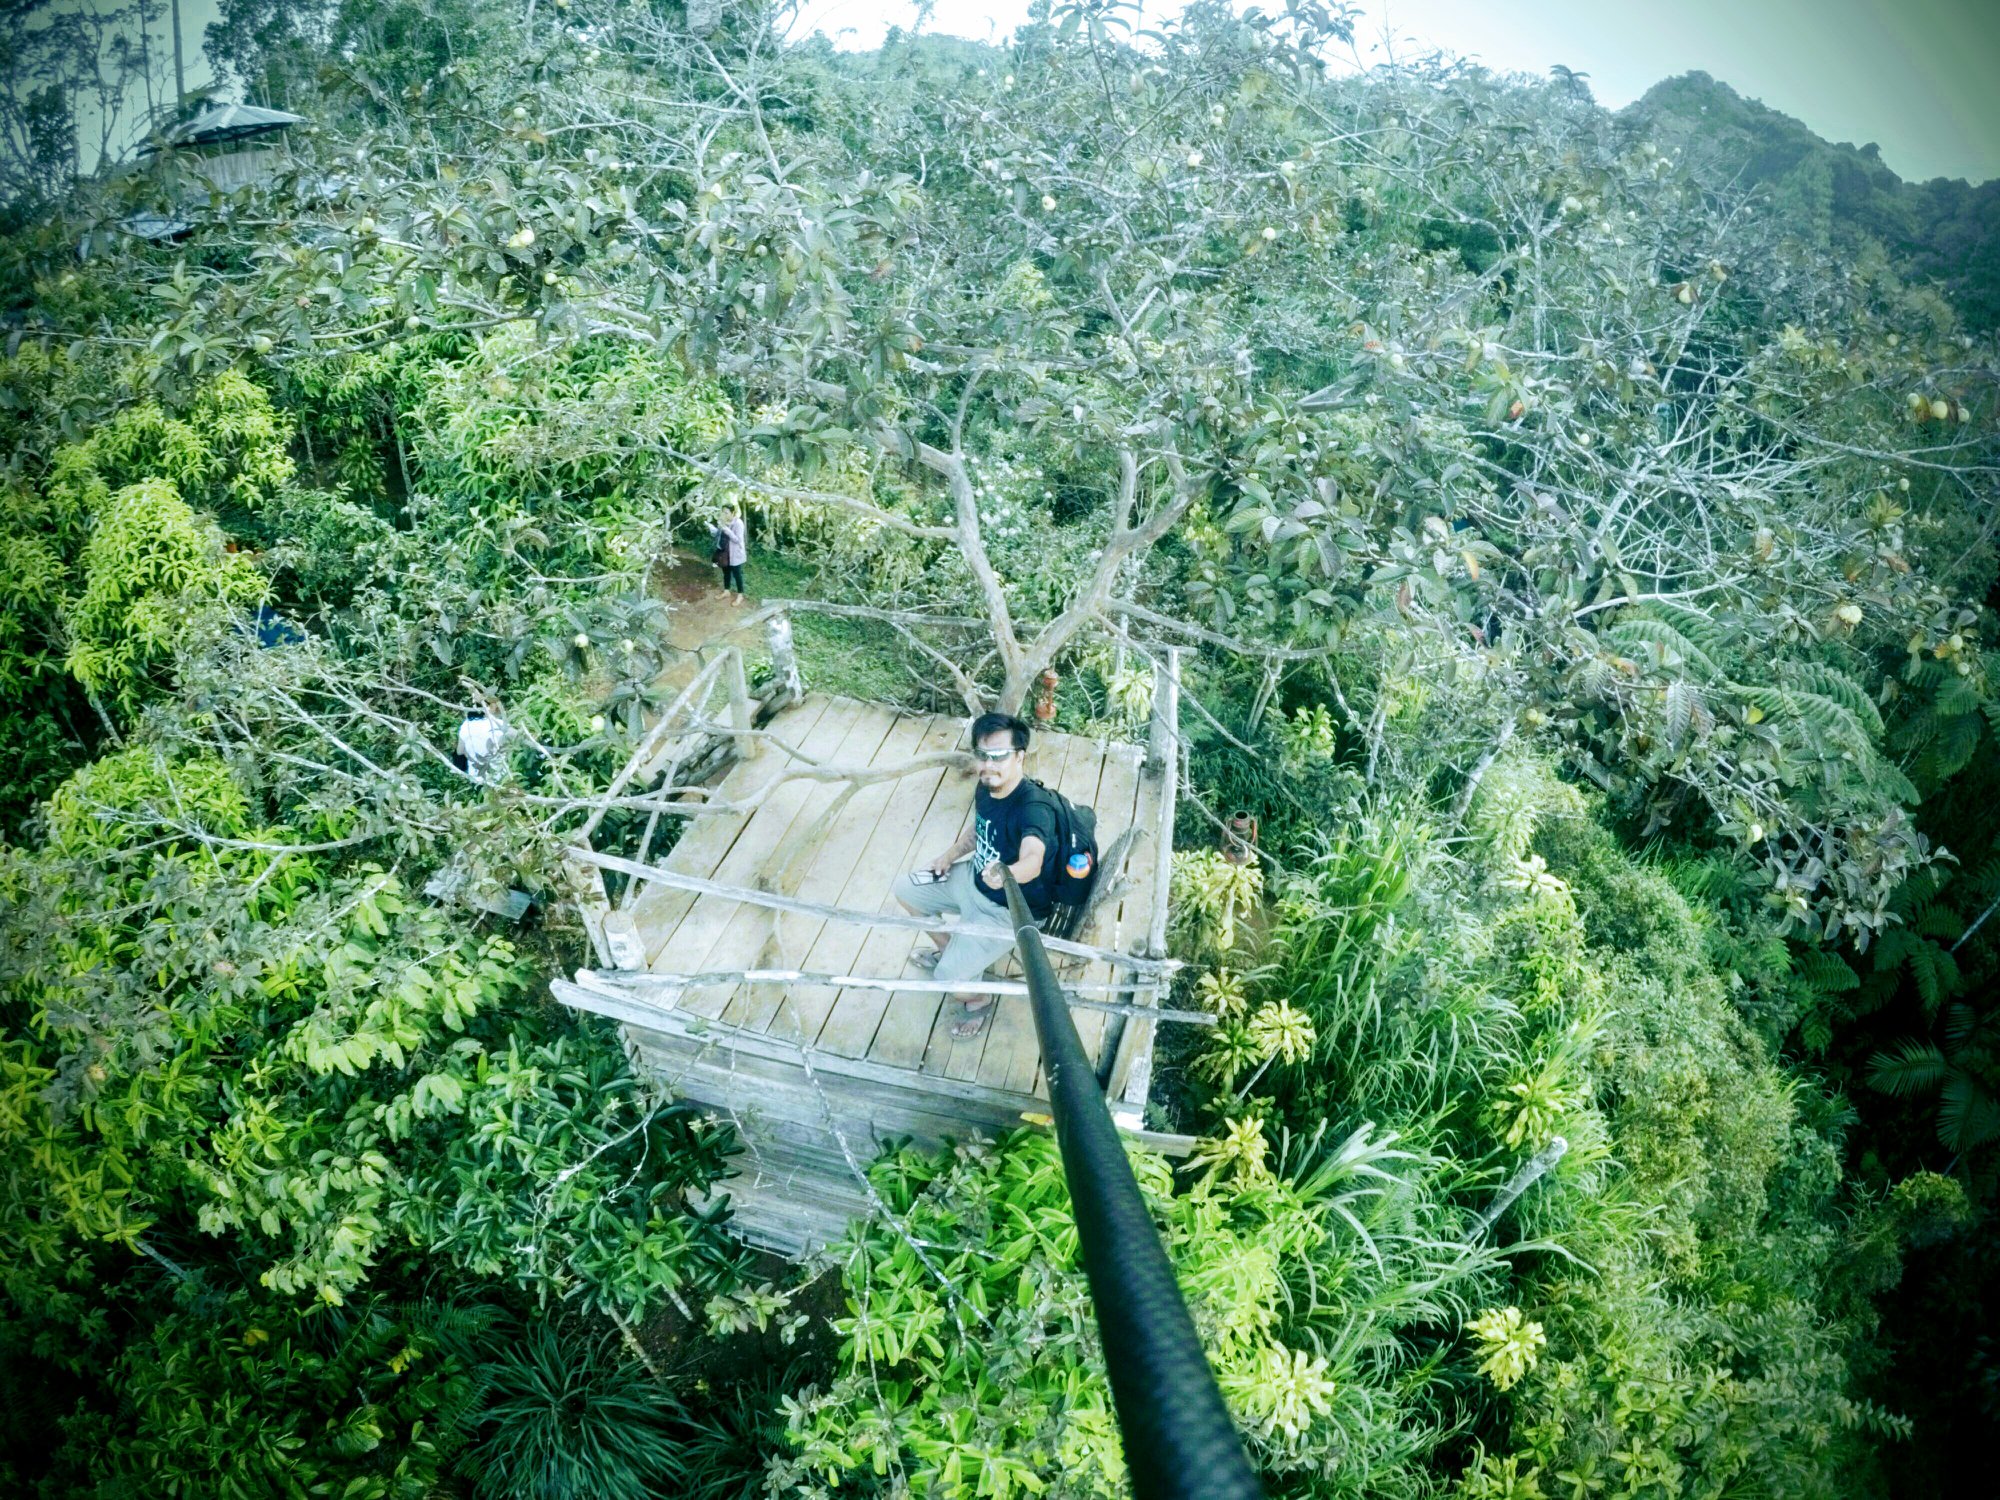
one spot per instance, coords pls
(230, 145)
(221, 149)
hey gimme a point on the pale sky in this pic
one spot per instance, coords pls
(1918, 77)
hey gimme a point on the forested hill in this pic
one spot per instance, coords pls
(1842, 197)
(1576, 541)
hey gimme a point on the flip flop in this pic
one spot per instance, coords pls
(974, 1020)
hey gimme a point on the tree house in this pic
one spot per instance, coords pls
(231, 145)
(762, 968)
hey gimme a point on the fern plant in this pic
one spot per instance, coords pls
(1964, 1074)
(1946, 715)
(1784, 744)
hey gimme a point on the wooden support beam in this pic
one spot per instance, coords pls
(1164, 760)
(660, 876)
(747, 1059)
(1160, 746)
(593, 906)
(610, 1000)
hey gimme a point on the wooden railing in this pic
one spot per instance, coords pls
(1127, 1060)
(684, 746)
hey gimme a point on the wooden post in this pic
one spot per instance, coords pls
(739, 705)
(789, 686)
(1161, 748)
(621, 937)
(586, 884)
(1163, 759)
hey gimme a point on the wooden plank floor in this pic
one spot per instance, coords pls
(807, 840)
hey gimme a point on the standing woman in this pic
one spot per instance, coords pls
(732, 548)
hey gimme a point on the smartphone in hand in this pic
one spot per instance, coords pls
(925, 876)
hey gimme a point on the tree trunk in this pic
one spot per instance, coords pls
(1014, 693)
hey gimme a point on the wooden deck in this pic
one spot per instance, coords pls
(852, 859)
(817, 1076)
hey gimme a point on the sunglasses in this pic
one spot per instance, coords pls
(992, 757)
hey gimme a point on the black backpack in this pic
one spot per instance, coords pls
(1076, 832)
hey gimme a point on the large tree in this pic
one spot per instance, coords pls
(1182, 331)
(1453, 419)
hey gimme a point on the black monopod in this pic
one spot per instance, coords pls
(1179, 1441)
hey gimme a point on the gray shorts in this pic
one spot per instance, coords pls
(984, 933)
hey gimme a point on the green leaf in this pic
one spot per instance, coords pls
(1916, 1067)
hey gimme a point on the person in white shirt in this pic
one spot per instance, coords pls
(732, 550)
(482, 746)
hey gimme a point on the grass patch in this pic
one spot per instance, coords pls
(853, 658)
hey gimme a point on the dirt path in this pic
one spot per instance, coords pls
(702, 614)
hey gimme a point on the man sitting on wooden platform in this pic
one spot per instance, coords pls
(1012, 824)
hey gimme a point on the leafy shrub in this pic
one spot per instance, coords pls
(1695, 1323)
(235, 1395)
(151, 569)
(970, 1362)
(310, 1062)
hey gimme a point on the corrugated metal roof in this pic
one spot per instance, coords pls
(229, 122)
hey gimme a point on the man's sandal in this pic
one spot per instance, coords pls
(925, 960)
(974, 1020)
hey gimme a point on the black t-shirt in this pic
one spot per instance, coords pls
(998, 825)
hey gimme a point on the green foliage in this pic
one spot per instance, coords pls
(571, 1416)
(349, 409)
(238, 1396)
(1506, 428)
(309, 1063)
(513, 425)
(44, 722)
(1695, 1326)
(151, 569)
(1213, 894)
(225, 447)
(1530, 451)
(1962, 1078)
(1509, 1345)
(969, 1359)
(112, 558)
